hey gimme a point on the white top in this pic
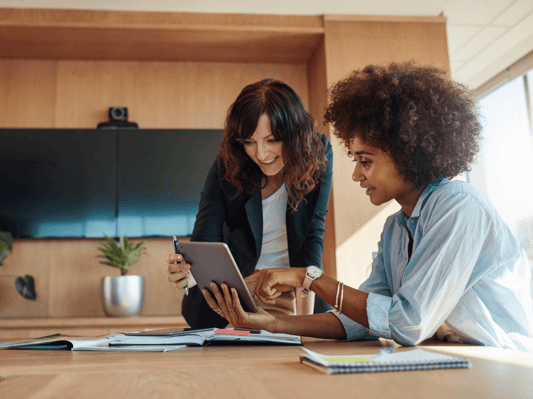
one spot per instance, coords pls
(274, 250)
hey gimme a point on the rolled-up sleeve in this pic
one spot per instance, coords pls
(354, 331)
(378, 309)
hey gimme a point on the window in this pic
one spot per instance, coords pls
(504, 168)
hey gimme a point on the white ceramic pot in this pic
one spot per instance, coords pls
(123, 296)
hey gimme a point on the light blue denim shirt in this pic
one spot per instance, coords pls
(466, 269)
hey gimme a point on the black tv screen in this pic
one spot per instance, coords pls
(90, 183)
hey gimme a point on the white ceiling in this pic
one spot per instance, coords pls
(484, 36)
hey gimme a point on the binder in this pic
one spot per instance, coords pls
(417, 359)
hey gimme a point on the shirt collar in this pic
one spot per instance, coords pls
(402, 218)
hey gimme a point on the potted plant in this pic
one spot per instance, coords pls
(24, 285)
(123, 295)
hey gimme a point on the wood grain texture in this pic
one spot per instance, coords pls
(100, 35)
(28, 90)
(35, 260)
(160, 94)
(134, 19)
(386, 18)
(318, 100)
(258, 371)
(353, 45)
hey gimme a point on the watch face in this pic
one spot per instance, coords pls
(314, 272)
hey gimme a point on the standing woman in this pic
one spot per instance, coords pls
(266, 195)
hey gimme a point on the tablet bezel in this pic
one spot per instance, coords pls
(213, 261)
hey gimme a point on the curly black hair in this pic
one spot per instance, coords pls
(424, 121)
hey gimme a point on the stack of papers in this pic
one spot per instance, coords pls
(153, 340)
(206, 336)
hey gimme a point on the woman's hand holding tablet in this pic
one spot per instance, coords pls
(229, 305)
(213, 262)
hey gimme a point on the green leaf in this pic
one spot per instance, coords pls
(6, 245)
(4, 251)
(122, 254)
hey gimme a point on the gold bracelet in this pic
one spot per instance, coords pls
(336, 307)
(342, 297)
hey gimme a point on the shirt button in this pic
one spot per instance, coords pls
(412, 221)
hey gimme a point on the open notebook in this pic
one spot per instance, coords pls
(417, 359)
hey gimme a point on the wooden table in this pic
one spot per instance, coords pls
(256, 372)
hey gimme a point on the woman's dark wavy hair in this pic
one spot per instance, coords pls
(303, 152)
(425, 122)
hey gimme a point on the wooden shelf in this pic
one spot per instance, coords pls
(123, 36)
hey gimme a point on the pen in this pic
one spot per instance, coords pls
(177, 251)
(252, 330)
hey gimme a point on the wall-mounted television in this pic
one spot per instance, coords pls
(67, 183)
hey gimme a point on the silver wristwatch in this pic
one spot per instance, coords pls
(313, 272)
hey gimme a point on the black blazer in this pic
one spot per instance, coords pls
(239, 223)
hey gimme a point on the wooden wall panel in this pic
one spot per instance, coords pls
(75, 278)
(159, 94)
(317, 104)
(352, 45)
(28, 93)
(68, 278)
(28, 257)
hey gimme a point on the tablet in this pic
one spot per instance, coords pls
(213, 261)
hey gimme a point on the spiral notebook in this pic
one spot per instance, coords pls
(417, 359)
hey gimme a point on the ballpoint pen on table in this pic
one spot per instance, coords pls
(176, 250)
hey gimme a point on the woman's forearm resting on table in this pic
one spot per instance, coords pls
(321, 325)
(353, 300)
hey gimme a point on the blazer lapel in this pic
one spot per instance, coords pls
(254, 211)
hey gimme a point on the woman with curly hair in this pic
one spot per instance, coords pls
(447, 265)
(266, 195)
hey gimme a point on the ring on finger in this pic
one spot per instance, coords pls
(231, 312)
(219, 312)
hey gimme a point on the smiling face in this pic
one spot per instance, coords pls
(377, 173)
(263, 148)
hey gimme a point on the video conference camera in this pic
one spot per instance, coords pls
(118, 119)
